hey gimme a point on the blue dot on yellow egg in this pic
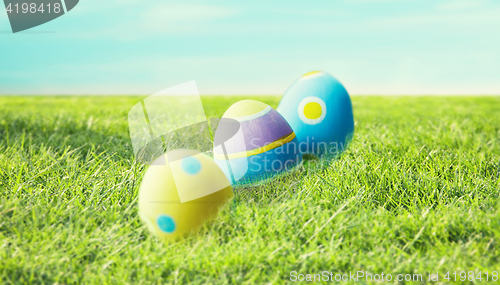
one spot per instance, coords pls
(166, 223)
(191, 165)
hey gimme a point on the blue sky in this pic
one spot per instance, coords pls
(257, 47)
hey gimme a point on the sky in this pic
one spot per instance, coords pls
(404, 47)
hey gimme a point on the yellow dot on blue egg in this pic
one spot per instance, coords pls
(191, 165)
(166, 223)
(312, 110)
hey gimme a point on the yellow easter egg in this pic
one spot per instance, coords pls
(180, 191)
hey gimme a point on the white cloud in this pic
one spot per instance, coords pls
(167, 15)
(378, 1)
(460, 5)
(152, 21)
(483, 18)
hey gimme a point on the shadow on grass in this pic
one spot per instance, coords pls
(285, 185)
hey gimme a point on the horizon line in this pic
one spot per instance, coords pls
(229, 95)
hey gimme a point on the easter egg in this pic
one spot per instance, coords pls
(180, 191)
(261, 144)
(319, 110)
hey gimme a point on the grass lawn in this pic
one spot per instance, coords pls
(417, 191)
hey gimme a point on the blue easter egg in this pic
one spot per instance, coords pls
(319, 110)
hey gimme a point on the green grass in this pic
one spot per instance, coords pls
(417, 191)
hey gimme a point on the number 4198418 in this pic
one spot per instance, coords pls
(32, 8)
(471, 276)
